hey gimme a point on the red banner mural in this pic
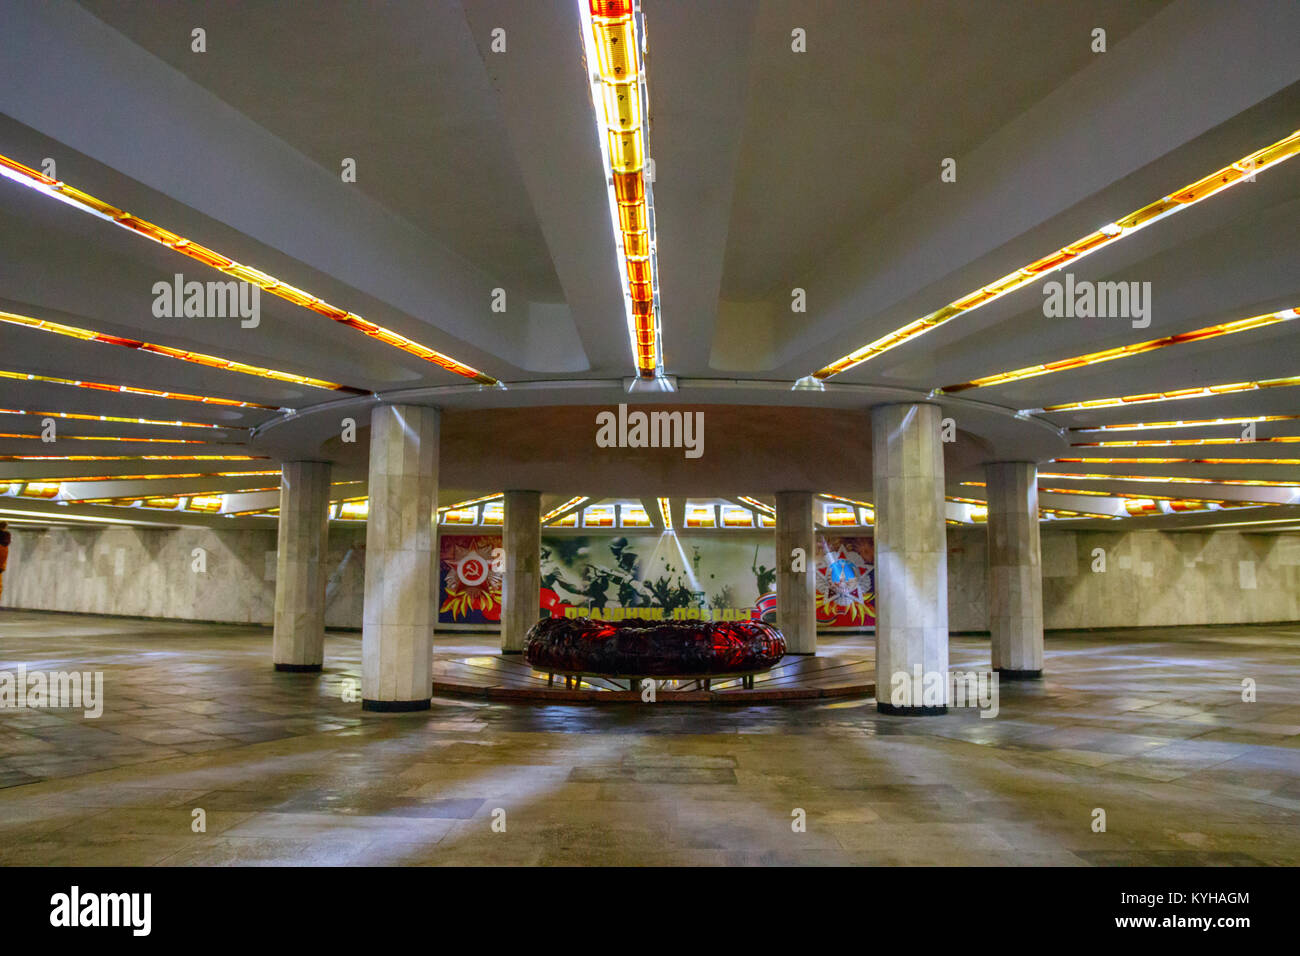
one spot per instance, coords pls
(712, 577)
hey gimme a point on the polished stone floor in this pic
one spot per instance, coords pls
(1147, 725)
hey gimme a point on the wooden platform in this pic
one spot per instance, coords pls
(509, 677)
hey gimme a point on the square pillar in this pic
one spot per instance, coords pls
(401, 585)
(521, 581)
(911, 560)
(1015, 570)
(301, 549)
(796, 590)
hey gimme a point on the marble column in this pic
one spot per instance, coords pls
(911, 560)
(300, 572)
(401, 586)
(521, 581)
(1015, 570)
(796, 591)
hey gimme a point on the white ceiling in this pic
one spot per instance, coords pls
(480, 170)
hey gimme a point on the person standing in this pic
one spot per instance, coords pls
(5, 538)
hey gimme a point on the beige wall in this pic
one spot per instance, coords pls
(148, 572)
(1151, 579)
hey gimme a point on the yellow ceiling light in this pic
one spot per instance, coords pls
(355, 510)
(204, 503)
(556, 512)
(209, 504)
(1128, 496)
(760, 506)
(839, 516)
(41, 489)
(1124, 351)
(1066, 513)
(613, 36)
(1158, 505)
(665, 513)
(117, 419)
(1159, 442)
(734, 516)
(634, 516)
(1204, 391)
(700, 516)
(25, 176)
(184, 355)
(135, 390)
(1188, 423)
(1242, 170)
(1176, 480)
(132, 458)
(849, 501)
(473, 501)
(165, 441)
(1178, 461)
(199, 474)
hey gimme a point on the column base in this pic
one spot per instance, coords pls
(910, 711)
(395, 706)
(504, 651)
(800, 653)
(1007, 674)
(297, 668)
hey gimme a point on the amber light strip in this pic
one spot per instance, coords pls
(133, 458)
(765, 509)
(128, 502)
(206, 498)
(1178, 461)
(1092, 492)
(25, 176)
(1250, 482)
(1158, 443)
(1203, 391)
(136, 390)
(1066, 513)
(1244, 169)
(1153, 505)
(84, 478)
(459, 504)
(164, 441)
(197, 358)
(78, 416)
(613, 40)
(1124, 351)
(847, 501)
(1188, 423)
(567, 506)
(666, 514)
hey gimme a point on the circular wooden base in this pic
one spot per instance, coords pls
(797, 678)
